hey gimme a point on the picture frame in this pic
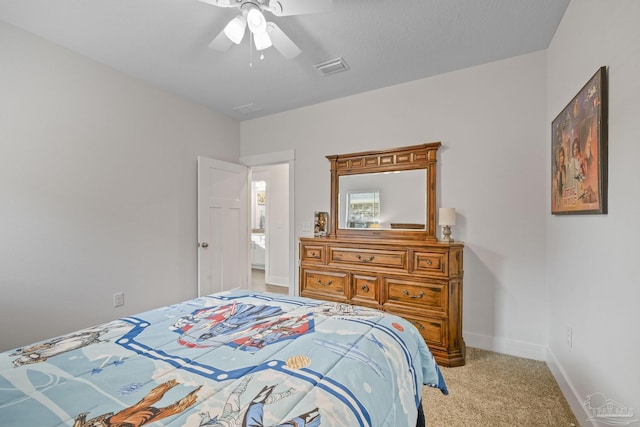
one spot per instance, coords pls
(579, 151)
(320, 224)
(261, 197)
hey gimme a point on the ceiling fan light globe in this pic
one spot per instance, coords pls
(235, 29)
(257, 23)
(262, 40)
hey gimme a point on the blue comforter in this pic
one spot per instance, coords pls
(233, 359)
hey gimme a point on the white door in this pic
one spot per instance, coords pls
(223, 226)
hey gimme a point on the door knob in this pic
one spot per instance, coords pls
(204, 244)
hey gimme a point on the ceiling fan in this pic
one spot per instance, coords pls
(265, 34)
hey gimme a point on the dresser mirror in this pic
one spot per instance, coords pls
(386, 193)
(378, 200)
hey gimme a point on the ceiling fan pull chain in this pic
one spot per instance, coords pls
(250, 49)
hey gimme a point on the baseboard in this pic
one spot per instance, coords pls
(506, 346)
(567, 389)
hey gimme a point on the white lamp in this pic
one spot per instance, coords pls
(235, 29)
(256, 21)
(262, 40)
(253, 18)
(258, 26)
(447, 218)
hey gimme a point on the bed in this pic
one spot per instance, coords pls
(238, 358)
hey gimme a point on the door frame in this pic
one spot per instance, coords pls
(280, 157)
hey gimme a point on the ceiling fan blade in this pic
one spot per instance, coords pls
(298, 7)
(282, 42)
(220, 3)
(221, 43)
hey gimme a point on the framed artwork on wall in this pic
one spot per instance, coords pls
(579, 151)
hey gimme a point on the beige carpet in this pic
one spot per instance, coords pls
(494, 389)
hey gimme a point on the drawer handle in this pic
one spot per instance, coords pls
(406, 292)
(325, 284)
(429, 262)
(365, 288)
(418, 325)
(365, 259)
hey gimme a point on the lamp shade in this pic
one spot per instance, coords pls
(255, 20)
(235, 29)
(262, 40)
(447, 216)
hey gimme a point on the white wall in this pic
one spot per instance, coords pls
(492, 123)
(97, 190)
(593, 275)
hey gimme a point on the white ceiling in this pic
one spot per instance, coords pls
(384, 42)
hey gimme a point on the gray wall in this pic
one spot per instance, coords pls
(97, 190)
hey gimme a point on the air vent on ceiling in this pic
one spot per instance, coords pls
(337, 65)
(247, 108)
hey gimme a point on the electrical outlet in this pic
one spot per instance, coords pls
(118, 299)
(306, 226)
(569, 337)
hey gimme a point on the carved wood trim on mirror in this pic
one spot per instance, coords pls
(416, 224)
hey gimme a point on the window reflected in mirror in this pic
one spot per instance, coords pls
(363, 209)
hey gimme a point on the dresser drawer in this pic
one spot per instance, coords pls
(434, 263)
(324, 284)
(409, 294)
(433, 331)
(369, 257)
(312, 253)
(365, 289)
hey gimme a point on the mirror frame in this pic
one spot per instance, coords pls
(421, 156)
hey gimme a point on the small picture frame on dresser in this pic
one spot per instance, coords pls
(320, 224)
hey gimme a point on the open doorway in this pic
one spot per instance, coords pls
(270, 228)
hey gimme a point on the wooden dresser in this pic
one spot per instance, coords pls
(419, 281)
(382, 251)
